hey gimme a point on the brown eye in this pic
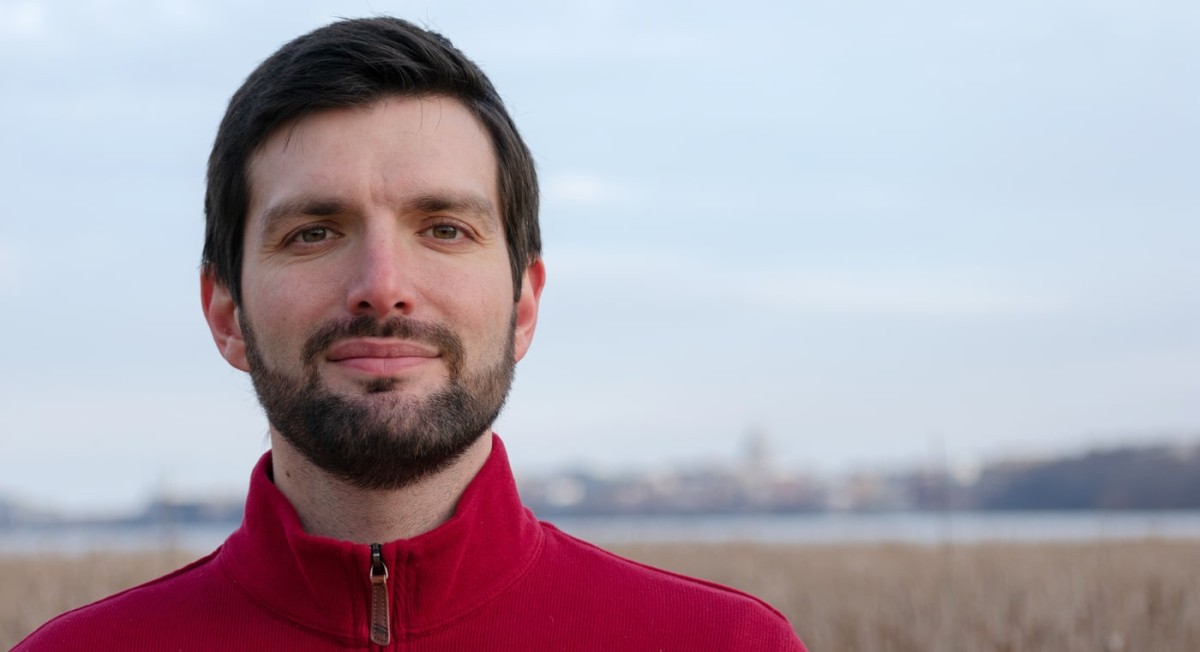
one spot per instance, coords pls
(315, 234)
(444, 232)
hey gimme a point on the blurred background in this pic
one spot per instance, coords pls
(819, 238)
(833, 288)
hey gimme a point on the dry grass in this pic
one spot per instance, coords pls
(1113, 597)
(34, 589)
(980, 598)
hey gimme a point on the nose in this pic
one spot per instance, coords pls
(381, 283)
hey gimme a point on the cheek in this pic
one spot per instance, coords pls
(481, 314)
(282, 317)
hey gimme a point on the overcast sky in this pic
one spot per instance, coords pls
(869, 229)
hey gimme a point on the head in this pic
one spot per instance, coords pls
(357, 63)
(372, 255)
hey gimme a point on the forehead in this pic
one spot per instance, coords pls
(381, 153)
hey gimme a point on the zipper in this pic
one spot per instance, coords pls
(381, 631)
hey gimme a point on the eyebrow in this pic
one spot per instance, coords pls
(323, 206)
(467, 203)
(301, 206)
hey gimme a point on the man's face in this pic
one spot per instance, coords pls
(377, 319)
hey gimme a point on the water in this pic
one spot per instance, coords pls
(902, 527)
(829, 528)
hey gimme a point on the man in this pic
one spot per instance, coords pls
(372, 260)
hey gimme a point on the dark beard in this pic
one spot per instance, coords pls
(377, 440)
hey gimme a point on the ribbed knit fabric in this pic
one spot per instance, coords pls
(491, 578)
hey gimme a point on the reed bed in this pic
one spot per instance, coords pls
(1093, 597)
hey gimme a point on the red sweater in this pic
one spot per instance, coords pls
(493, 577)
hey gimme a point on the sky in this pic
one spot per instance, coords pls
(874, 231)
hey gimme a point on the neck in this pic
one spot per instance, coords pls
(331, 507)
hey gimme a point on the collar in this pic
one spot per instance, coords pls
(325, 585)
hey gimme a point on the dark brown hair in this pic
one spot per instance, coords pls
(355, 63)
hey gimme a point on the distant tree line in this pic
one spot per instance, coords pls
(1125, 478)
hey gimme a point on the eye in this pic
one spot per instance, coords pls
(445, 232)
(313, 235)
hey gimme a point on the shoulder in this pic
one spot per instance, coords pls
(112, 622)
(711, 612)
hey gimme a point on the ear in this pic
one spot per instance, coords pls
(222, 315)
(532, 282)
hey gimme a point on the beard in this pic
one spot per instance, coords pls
(381, 439)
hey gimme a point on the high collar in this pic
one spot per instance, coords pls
(324, 584)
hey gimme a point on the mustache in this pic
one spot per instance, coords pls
(448, 344)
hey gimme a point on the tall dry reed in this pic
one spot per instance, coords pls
(1095, 597)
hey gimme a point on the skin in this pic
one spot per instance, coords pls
(388, 209)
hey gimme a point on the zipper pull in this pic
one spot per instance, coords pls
(381, 631)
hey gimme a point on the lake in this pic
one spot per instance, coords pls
(923, 528)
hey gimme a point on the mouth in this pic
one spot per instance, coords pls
(380, 357)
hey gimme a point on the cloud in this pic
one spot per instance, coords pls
(180, 11)
(673, 277)
(886, 293)
(585, 189)
(23, 20)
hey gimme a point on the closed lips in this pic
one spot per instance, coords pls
(378, 349)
